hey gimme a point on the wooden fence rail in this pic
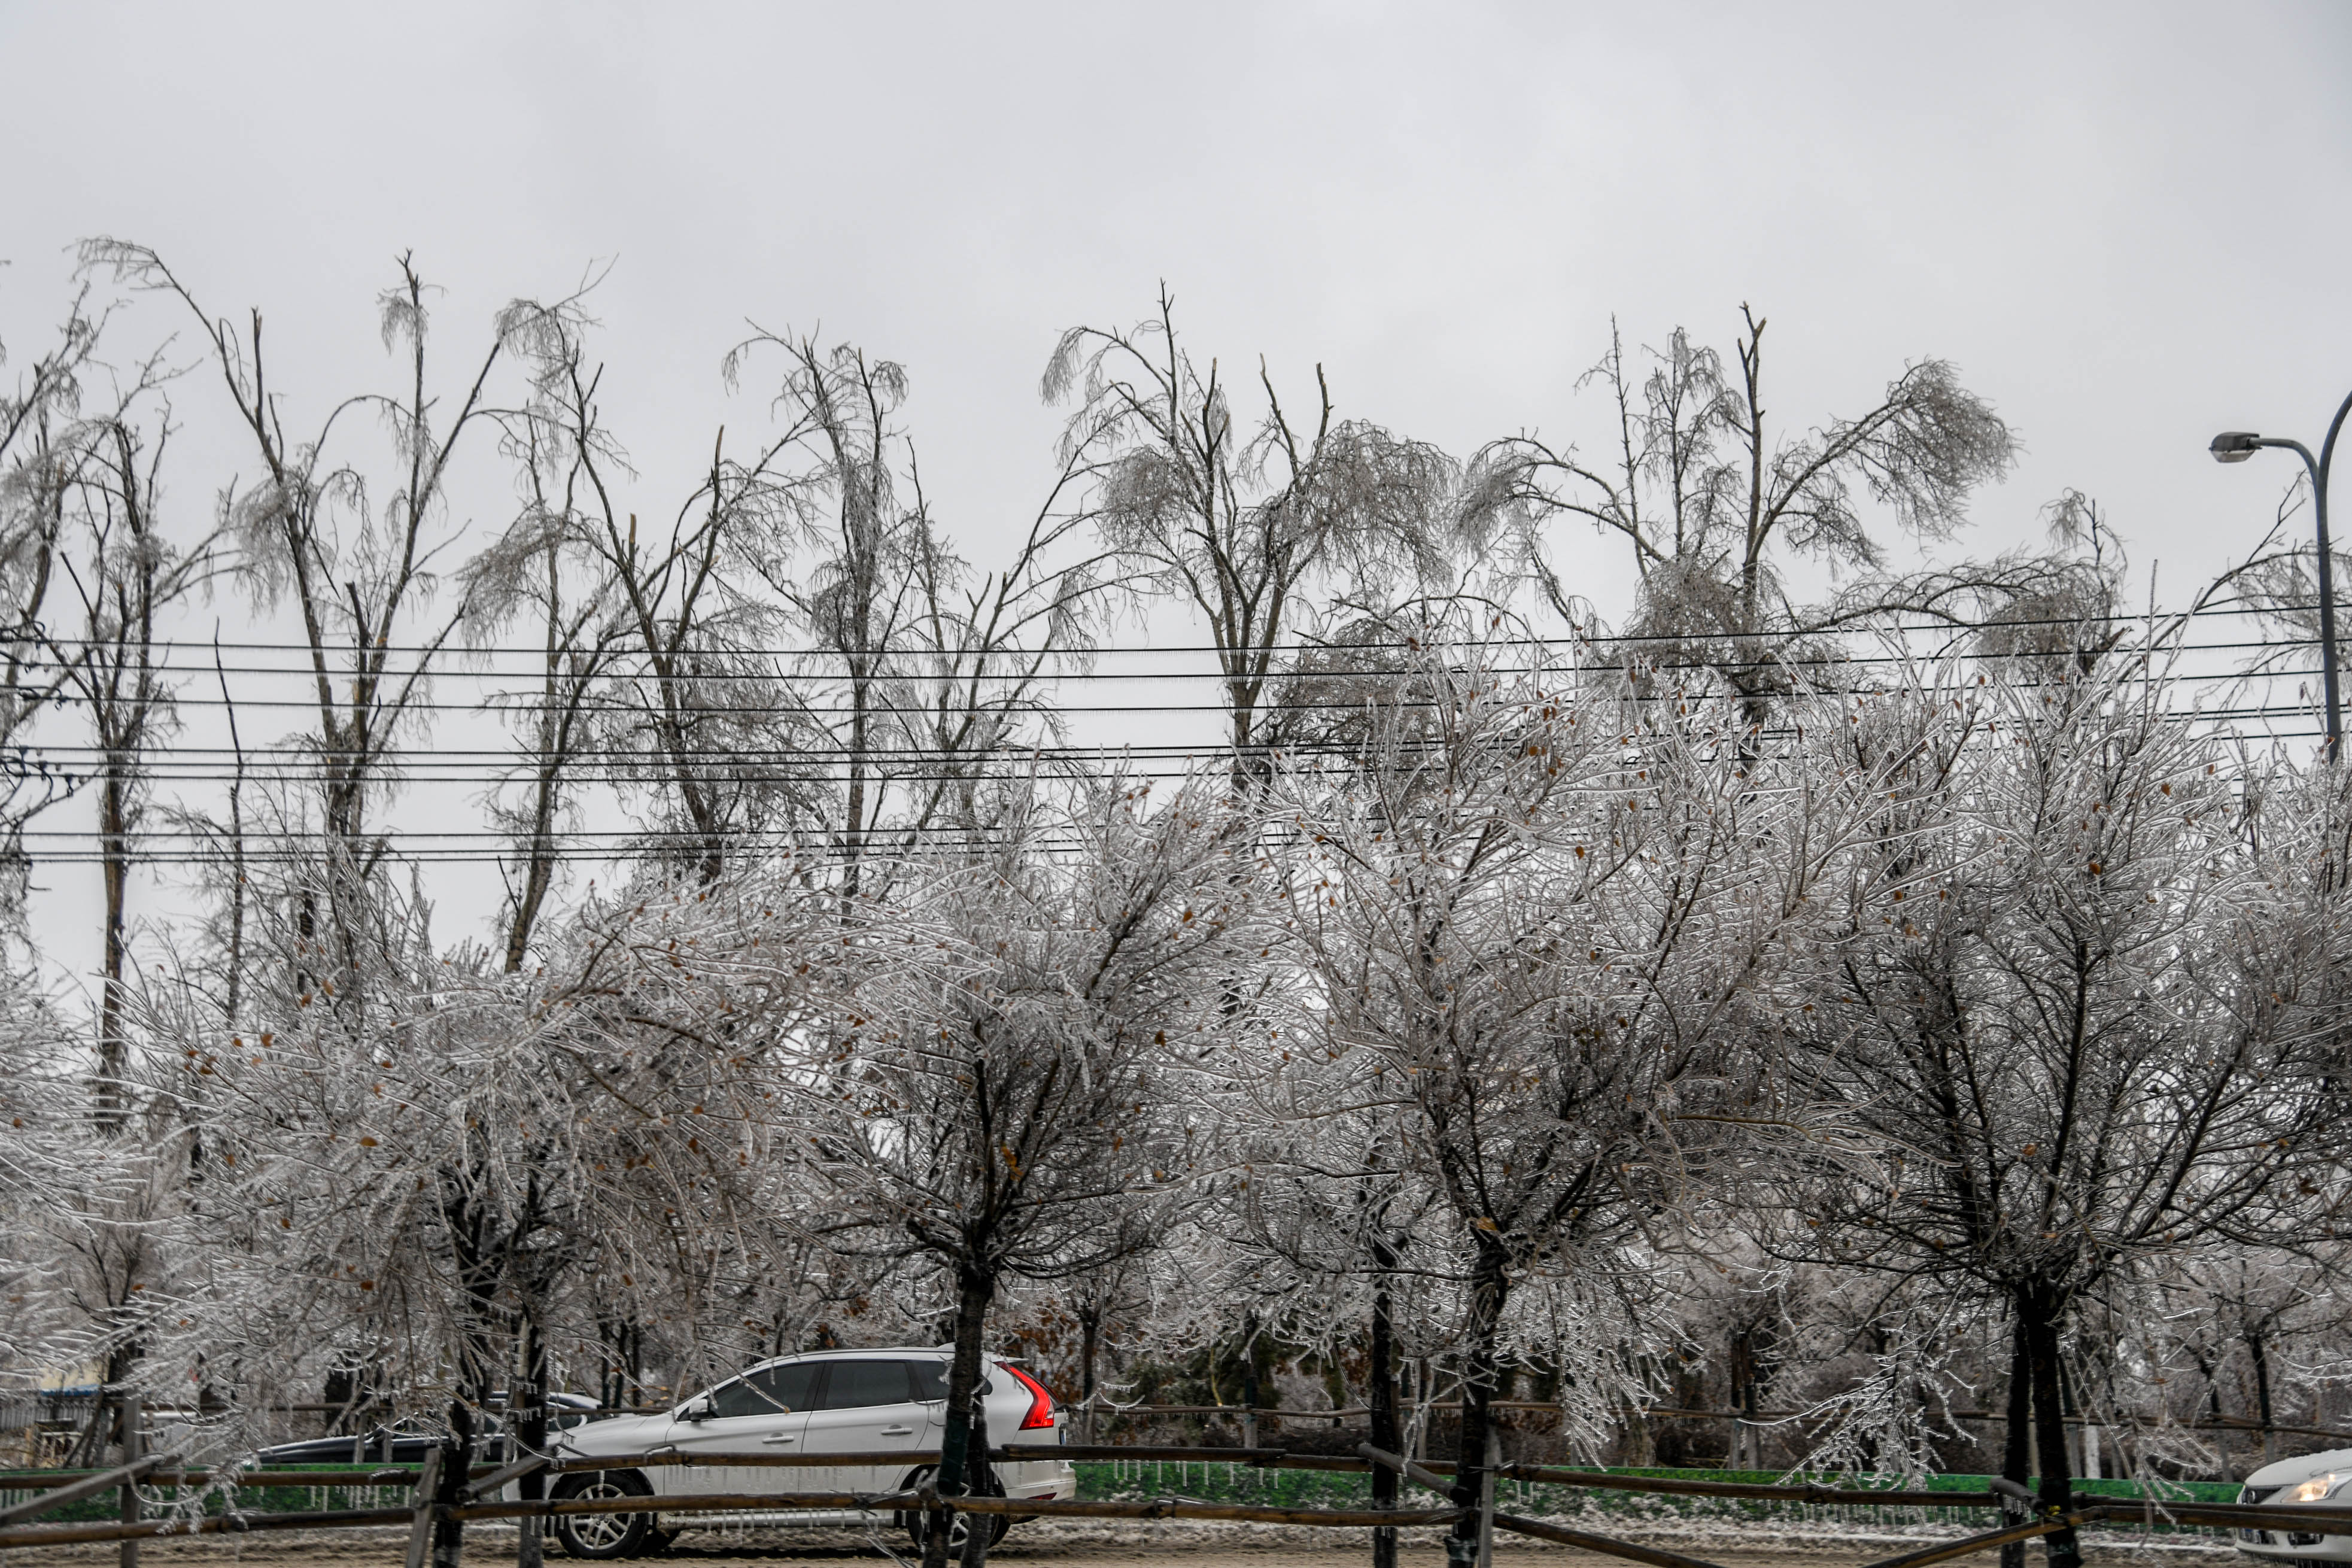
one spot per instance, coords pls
(723, 1502)
(437, 1510)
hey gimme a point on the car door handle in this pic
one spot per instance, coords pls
(898, 1431)
(779, 1437)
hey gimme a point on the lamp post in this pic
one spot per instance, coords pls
(2236, 446)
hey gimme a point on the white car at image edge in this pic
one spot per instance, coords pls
(864, 1403)
(2308, 1481)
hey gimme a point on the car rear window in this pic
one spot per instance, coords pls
(854, 1384)
(931, 1380)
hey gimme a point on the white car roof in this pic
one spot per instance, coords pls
(863, 1352)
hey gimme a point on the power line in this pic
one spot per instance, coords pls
(776, 710)
(1206, 765)
(1387, 644)
(453, 671)
(1011, 747)
(468, 671)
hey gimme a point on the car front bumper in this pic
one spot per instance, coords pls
(2282, 1542)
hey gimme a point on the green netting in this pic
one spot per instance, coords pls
(16, 1486)
(1211, 1481)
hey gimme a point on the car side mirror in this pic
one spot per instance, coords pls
(694, 1410)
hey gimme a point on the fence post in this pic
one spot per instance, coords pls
(133, 1450)
(420, 1529)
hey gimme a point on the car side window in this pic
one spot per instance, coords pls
(792, 1387)
(772, 1391)
(737, 1399)
(855, 1384)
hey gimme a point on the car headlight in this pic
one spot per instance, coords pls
(2317, 1488)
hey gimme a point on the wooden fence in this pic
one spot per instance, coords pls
(445, 1500)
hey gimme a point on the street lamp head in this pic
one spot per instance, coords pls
(2235, 446)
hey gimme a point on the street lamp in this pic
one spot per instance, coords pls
(2236, 446)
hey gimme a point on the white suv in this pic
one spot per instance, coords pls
(2311, 1480)
(833, 1402)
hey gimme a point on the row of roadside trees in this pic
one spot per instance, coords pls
(1501, 1005)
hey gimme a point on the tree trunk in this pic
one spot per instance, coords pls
(233, 1002)
(1742, 1367)
(457, 1463)
(2260, 1352)
(539, 869)
(1489, 1291)
(974, 1291)
(2017, 1450)
(1383, 1403)
(134, 1448)
(622, 1340)
(979, 1529)
(2040, 1318)
(527, 1412)
(114, 851)
(1090, 1346)
(1249, 1380)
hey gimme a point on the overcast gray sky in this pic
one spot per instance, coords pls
(2128, 225)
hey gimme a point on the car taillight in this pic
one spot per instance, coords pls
(1041, 1403)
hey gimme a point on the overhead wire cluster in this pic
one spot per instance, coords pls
(814, 760)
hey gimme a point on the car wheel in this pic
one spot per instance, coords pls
(603, 1537)
(919, 1521)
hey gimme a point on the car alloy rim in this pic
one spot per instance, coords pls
(599, 1530)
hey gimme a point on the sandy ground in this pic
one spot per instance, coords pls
(1066, 1544)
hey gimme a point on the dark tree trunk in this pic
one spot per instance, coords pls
(1249, 1380)
(133, 1447)
(1383, 1403)
(114, 849)
(622, 1340)
(1090, 1346)
(537, 873)
(1742, 1367)
(457, 1462)
(2260, 1352)
(2040, 1315)
(1489, 1291)
(528, 1411)
(2017, 1449)
(974, 1292)
(232, 1002)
